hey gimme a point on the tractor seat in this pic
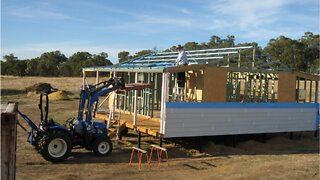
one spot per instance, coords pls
(51, 122)
(46, 90)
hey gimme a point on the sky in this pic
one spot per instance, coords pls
(32, 27)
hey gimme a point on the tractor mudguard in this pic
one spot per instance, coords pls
(101, 128)
(60, 128)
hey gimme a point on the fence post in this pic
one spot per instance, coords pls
(9, 142)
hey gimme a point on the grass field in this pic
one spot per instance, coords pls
(278, 158)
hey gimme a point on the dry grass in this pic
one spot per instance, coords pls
(279, 158)
(71, 84)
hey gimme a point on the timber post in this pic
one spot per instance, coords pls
(139, 139)
(9, 142)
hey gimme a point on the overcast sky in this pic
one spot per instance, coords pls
(31, 27)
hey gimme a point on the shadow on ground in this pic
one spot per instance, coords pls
(206, 147)
(8, 92)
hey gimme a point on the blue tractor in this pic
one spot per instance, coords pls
(54, 141)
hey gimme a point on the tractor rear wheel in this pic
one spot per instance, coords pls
(55, 146)
(102, 146)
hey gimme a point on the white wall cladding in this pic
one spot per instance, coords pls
(183, 122)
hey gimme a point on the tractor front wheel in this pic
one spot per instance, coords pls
(102, 146)
(55, 146)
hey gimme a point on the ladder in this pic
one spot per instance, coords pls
(180, 94)
(114, 125)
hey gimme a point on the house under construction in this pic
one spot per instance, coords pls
(221, 95)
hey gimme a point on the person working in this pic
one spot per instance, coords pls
(181, 76)
(182, 56)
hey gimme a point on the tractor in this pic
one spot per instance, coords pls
(55, 141)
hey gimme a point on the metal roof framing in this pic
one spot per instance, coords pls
(158, 62)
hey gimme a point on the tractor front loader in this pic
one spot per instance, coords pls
(55, 141)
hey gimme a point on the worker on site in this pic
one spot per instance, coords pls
(181, 61)
(182, 56)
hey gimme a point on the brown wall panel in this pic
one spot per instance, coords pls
(215, 84)
(287, 87)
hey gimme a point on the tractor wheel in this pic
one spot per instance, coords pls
(55, 146)
(102, 146)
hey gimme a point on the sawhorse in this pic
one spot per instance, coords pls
(140, 153)
(160, 150)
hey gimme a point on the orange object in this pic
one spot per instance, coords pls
(140, 152)
(160, 150)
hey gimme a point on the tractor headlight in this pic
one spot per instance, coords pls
(34, 133)
(41, 127)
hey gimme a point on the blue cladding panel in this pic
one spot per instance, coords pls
(207, 119)
(239, 105)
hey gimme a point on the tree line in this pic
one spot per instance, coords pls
(52, 64)
(301, 54)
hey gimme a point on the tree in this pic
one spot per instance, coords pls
(289, 52)
(7, 67)
(31, 69)
(100, 60)
(10, 57)
(312, 49)
(73, 66)
(229, 42)
(191, 46)
(143, 53)
(315, 66)
(79, 60)
(66, 69)
(123, 56)
(49, 63)
(19, 68)
(214, 41)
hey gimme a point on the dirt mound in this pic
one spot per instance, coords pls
(47, 88)
(36, 88)
(58, 95)
(251, 144)
(215, 149)
(31, 93)
(280, 140)
(253, 147)
(281, 143)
